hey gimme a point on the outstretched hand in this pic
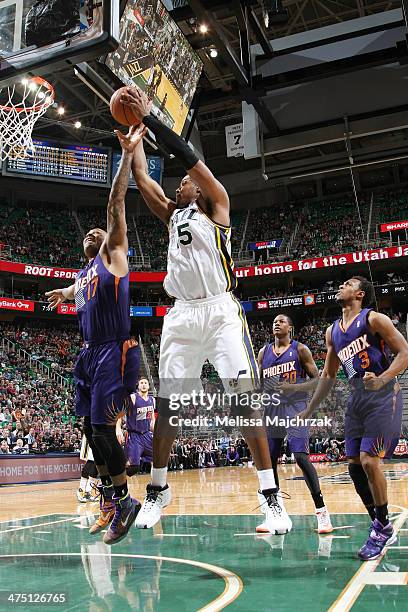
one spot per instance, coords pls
(55, 298)
(138, 101)
(130, 141)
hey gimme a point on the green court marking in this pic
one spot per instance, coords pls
(166, 572)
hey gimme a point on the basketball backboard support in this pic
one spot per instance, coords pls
(98, 35)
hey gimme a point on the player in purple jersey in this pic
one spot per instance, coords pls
(107, 367)
(139, 428)
(283, 366)
(362, 341)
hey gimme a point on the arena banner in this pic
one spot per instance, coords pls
(266, 244)
(15, 469)
(401, 448)
(330, 261)
(273, 269)
(17, 304)
(66, 309)
(393, 226)
(317, 457)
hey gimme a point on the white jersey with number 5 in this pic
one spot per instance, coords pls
(199, 262)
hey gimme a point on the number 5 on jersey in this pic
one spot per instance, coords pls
(184, 235)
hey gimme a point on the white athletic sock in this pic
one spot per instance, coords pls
(83, 483)
(266, 479)
(159, 477)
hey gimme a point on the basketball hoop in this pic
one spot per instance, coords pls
(23, 107)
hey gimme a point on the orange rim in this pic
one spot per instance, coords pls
(34, 109)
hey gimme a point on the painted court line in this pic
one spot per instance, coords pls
(35, 526)
(387, 578)
(233, 583)
(175, 535)
(353, 589)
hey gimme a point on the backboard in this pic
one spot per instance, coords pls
(96, 34)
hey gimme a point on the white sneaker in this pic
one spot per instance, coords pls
(277, 520)
(323, 521)
(82, 496)
(150, 512)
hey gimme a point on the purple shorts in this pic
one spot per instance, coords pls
(105, 376)
(373, 423)
(139, 446)
(295, 445)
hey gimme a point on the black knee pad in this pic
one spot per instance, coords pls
(360, 480)
(131, 470)
(104, 437)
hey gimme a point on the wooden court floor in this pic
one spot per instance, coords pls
(205, 554)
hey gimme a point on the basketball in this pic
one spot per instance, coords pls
(120, 112)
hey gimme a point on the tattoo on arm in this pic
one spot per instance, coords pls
(117, 230)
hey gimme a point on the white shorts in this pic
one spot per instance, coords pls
(86, 451)
(212, 328)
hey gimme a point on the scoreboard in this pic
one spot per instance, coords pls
(75, 163)
(64, 162)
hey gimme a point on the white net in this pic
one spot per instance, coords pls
(21, 106)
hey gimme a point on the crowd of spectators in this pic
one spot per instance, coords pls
(41, 234)
(36, 415)
(54, 346)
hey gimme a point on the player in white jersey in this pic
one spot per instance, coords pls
(207, 321)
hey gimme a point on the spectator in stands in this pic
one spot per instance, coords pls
(19, 448)
(4, 448)
(232, 456)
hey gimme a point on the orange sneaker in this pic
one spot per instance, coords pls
(107, 512)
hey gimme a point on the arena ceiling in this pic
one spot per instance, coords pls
(223, 87)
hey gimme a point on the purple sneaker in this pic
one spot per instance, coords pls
(125, 514)
(378, 539)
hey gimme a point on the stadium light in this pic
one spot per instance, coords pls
(61, 110)
(78, 124)
(203, 28)
(213, 52)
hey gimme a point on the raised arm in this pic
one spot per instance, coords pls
(214, 197)
(115, 246)
(152, 193)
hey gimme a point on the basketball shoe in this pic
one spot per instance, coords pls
(156, 499)
(82, 496)
(323, 520)
(126, 510)
(106, 509)
(277, 520)
(379, 537)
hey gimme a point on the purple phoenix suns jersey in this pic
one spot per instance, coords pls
(358, 349)
(140, 414)
(285, 367)
(103, 304)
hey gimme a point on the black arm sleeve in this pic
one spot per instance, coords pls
(175, 144)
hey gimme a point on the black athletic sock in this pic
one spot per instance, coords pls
(311, 478)
(121, 491)
(371, 512)
(106, 481)
(381, 514)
